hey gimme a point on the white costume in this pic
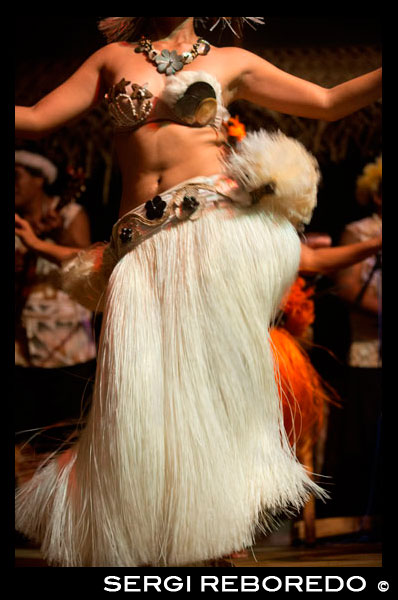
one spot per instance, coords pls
(184, 453)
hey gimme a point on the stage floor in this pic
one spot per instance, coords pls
(325, 555)
(331, 554)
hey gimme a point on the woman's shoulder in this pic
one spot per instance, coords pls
(233, 60)
(67, 212)
(112, 51)
(231, 52)
(363, 229)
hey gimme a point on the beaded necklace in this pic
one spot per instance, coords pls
(169, 62)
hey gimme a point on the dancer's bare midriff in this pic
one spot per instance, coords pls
(160, 155)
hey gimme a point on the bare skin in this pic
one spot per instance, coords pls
(158, 156)
(34, 217)
(350, 280)
(330, 260)
(77, 235)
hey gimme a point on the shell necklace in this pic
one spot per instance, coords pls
(169, 62)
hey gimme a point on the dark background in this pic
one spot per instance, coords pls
(57, 36)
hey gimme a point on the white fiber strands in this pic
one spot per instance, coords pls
(184, 453)
(86, 275)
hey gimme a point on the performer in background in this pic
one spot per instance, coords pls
(305, 395)
(359, 427)
(54, 343)
(184, 453)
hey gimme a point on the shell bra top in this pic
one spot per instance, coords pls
(192, 98)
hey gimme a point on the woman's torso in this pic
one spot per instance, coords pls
(156, 155)
(52, 329)
(365, 327)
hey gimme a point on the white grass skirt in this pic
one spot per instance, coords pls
(184, 453)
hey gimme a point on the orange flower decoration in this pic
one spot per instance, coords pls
(236, 129)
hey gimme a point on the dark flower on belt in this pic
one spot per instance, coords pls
(187, 207)
(190, 203)
(155, 208)
(126, 234)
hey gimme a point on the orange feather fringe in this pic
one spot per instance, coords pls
(298, 308)
(302, 390)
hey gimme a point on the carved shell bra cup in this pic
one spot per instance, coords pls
(192, 98)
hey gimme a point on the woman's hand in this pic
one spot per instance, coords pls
(377, 243)
(76, 238)
(24, 230)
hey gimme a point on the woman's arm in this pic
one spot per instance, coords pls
(70, 100)
(328, 260)
(350, 281)
(264, 84)
(76, 237)
(350, 284)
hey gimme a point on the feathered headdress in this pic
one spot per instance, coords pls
(369, 182)
(228, 22)
(123, 29)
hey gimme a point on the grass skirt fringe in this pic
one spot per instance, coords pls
(184, 454)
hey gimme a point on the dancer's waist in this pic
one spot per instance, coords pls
(185, 201)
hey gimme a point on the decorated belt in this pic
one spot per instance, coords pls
(187, 201)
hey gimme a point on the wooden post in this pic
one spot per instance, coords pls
(305, 454)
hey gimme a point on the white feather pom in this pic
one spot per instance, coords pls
(276, 169)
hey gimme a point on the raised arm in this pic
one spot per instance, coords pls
(329, 260)
(69, 101)
(264, 84)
